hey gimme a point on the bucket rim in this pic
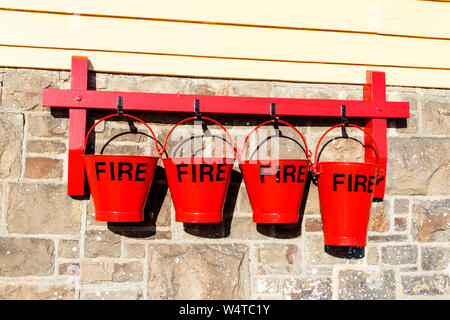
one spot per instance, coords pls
(189, 159)
(348, 163)
(119, 155)
(307, 151)
(269, 160)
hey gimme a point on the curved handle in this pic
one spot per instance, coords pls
(314, 165)
(308, 152)
(163, 150)
(115, 115)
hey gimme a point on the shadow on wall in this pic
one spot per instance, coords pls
(155, 200)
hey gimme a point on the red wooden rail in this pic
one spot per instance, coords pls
(78, 99)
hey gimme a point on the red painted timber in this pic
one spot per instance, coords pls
(139, 101)
(77, 129)
(78, 99)
(375, 91)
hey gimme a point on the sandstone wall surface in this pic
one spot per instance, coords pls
(51, 246)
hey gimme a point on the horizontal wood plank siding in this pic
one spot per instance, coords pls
(194, 38)
(221, 68)
(397, 17)
(161, 37)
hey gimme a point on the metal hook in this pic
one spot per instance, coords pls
(198, 115)
(344, 118)
(275, 118)
(119, 105)
(272, 112)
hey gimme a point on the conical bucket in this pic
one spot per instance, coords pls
(275, 187)
(119, 184)
(198, 186)
(345, 195)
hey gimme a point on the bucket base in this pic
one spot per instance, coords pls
(275, 217)
(114, 216)
(345, 252)
(198, 217)
(345, 241)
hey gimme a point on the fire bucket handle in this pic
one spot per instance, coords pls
(308, 152)
(314, 169)
(115, 115)
(163, 150)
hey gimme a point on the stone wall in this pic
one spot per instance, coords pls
(51, 247)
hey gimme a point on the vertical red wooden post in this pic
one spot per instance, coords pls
(375, 90)
(77, 128)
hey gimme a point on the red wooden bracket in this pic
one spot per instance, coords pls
(375, 90)
(78, 99)
(77, 129)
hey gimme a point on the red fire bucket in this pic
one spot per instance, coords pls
(345, 194)
(275, 187)
(198, 186)
(119, 184)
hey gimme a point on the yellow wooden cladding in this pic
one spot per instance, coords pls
(111, 34)
(310, 41)
(399, 17)
(222, 68)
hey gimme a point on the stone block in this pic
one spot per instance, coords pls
(90, 215)
(387, 238)
(22, 88)
(435, 258)
(96, 80)
(128, 272)
(31, 291)
(191, 271)
(418, 166)
(395, 255)
(372, 255)
(400, 224)
(379, 219)
(43, 168)
(266, 286)
(42, 209)
(313, 224)
(401, 206)
(47, 126)
(278, 259)
(409, 125)
(134, 250)
(102, 243)
(52, 147)
(366, 285)
(426, 285)
(306, 289)
(26, 257)
(431, 220)
(132, 292)
(11, 131)
(69, 249)
(436, 115)
(96, 270)
(69, 269)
